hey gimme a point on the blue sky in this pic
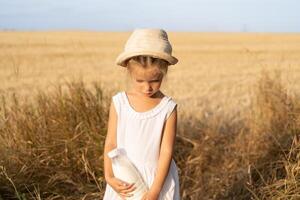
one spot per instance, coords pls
(175, 15)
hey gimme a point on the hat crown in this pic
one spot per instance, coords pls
(149, 40)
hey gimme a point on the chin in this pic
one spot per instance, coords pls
(150, 94)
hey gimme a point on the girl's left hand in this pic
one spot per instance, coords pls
(150, 196)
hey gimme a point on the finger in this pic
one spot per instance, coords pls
(122, 197)
(128, 190)
(123, 183)
(125, 195)
(126, 187)
(121, 186)
(131, 188)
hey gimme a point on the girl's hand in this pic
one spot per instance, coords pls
(150, 196)
(121, 187)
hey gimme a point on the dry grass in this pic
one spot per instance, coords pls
(53, 146)
(238, 131)
(241, 159)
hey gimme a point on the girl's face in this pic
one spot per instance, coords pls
(146, 81)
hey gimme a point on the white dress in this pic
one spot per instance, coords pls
(139, 133)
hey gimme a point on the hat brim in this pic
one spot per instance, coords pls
(126, 55)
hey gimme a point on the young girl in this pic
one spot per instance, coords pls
(143, 120)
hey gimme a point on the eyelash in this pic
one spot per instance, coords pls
(150, 81)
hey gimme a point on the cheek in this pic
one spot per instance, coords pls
(156, 85)
(138, 85)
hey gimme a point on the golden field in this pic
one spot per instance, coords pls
(224, 65)
(238, 105)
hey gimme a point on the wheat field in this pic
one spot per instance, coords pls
(237, 94)
(211, 65)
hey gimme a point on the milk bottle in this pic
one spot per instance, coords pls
(125, 170)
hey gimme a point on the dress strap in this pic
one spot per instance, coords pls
(117, 101)
(171, 106)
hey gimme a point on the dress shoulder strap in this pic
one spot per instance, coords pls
(170, 107)
(117, 101)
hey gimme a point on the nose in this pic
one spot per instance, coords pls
(148, 87)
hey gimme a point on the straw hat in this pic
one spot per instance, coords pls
(147, 41)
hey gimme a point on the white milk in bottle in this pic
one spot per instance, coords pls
(125, 170)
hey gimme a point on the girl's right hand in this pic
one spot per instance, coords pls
(121, 187)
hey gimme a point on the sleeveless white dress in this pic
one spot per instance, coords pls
(139, 133)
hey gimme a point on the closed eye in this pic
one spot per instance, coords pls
(149, 81)
(154, 81)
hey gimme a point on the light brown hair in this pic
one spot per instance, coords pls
(146, 62)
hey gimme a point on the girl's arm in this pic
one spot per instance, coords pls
(110, 142)
(166, 153)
